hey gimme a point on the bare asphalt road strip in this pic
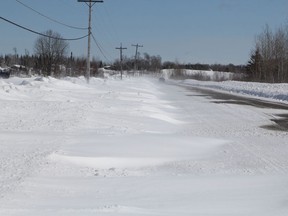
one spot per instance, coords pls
(222, 97)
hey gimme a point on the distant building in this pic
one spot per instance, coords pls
(5, 73)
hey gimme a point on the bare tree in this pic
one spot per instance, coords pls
(51, 50)
(150, 63)
(280, 55)
(269, 61)
(156, 63)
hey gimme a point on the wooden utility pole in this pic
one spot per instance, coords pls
(121, 57)
(90, 4)
(136, 55)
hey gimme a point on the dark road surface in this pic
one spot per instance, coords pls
(220, 97)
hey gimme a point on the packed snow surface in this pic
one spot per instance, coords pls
(139, 147)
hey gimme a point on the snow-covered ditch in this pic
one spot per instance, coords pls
(136, 147)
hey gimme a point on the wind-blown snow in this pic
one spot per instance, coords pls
(138, 147)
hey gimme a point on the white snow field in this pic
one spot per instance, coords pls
(137, 147)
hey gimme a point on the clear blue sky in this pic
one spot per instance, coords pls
(190, 31)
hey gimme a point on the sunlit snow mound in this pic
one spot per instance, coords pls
(136, 151)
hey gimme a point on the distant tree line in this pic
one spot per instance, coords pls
(33, 64)
(148, 63)
(76, 66)
(51, 58)
(269, 58)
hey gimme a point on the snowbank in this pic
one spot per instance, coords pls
(200, 74)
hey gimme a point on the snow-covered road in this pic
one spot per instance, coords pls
(136, 147)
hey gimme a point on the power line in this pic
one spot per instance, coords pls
(51, 19)
(112, 24)
(106, 42)
(99, 47)
(38, 33)
(102, 31)
(104, 24)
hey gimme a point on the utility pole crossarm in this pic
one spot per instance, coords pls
(121, 57)
(121, 49)
(90, 1)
